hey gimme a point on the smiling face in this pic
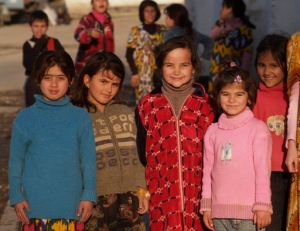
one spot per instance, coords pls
(269, 70)
(149, 14)
(177, 68)
(233, 99)
(38, 28)
(102, 87)
(54, 84)
(100, 5)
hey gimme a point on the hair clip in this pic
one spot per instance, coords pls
(238, 79)
(232, 64)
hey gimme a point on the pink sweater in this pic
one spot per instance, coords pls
(271, 107)
(237, 167)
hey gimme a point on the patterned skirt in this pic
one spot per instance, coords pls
(53, 225)
(116, 212)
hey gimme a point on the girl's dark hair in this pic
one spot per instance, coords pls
(179, 14)
(142, 7)
(48, 59)
(38, 15)
(239, 10)
(229, 74)
(178, 42)
(276, 44)
(100, 61)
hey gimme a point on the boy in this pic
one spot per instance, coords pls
(38, 22)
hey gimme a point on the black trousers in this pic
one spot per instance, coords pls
(30, 89)
(280, 193)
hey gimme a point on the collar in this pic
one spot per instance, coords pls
(51, 105)
(238, 121)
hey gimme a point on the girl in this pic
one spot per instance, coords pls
(95, 32)
(271, 107)
(293, 136)
(179, 24)
(236, 191)
(142, 45)
(171, 122)
(233, 36)
(119, 172)
(52, 154)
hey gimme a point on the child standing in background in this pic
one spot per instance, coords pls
(142, 46)
(95, 32)
(233, 36)
(39, 42)
(52, 171)
(293, 137)
(271, 107)
(236, 191)
(120, 175)
(172, 121)
(179, 24)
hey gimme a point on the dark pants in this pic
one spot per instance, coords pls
(280, 192)
(30, 89)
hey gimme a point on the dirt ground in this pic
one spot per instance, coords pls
(10, 104)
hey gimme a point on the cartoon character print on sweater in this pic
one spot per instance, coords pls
(276, 124)
(226, 153)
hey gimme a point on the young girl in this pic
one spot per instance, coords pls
(171, 123)
(52, 153)
(142, 45)
(233, 36)
(179, 24)
(293, 136)
(94, 33)
(120, 176)
(271, 107)
(237, 154)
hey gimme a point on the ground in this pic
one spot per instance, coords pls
(10, 103)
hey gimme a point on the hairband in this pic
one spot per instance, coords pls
(238, 78)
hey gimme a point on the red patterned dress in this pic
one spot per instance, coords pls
(171, 148)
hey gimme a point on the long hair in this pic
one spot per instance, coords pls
(276, 44)
(239, 10)
(179, 14)
(100, 61)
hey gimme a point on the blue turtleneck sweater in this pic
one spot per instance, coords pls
(52, 159)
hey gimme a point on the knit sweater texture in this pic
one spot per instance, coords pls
(237, 167)
(52, 159)
(118, 167)
(271, 107)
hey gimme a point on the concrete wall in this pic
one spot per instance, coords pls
(269, 16)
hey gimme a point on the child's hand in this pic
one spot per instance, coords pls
(19, 208)
(143, 204)
(94, 33)
(225, 30)
(207, 220)
(291, 160)
(262, 219)
(85, 210)
(135, 81)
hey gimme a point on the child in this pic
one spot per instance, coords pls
(120, 176)
(38, 22)
(142, 46)
(271, 107)
(237, 154)
(179, 24)
(95, 32)
(233, 36)
(171, 123)
(293, 136)
(52, 153)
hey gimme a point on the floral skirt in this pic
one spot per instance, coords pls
(53, 225)
(116, 212)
